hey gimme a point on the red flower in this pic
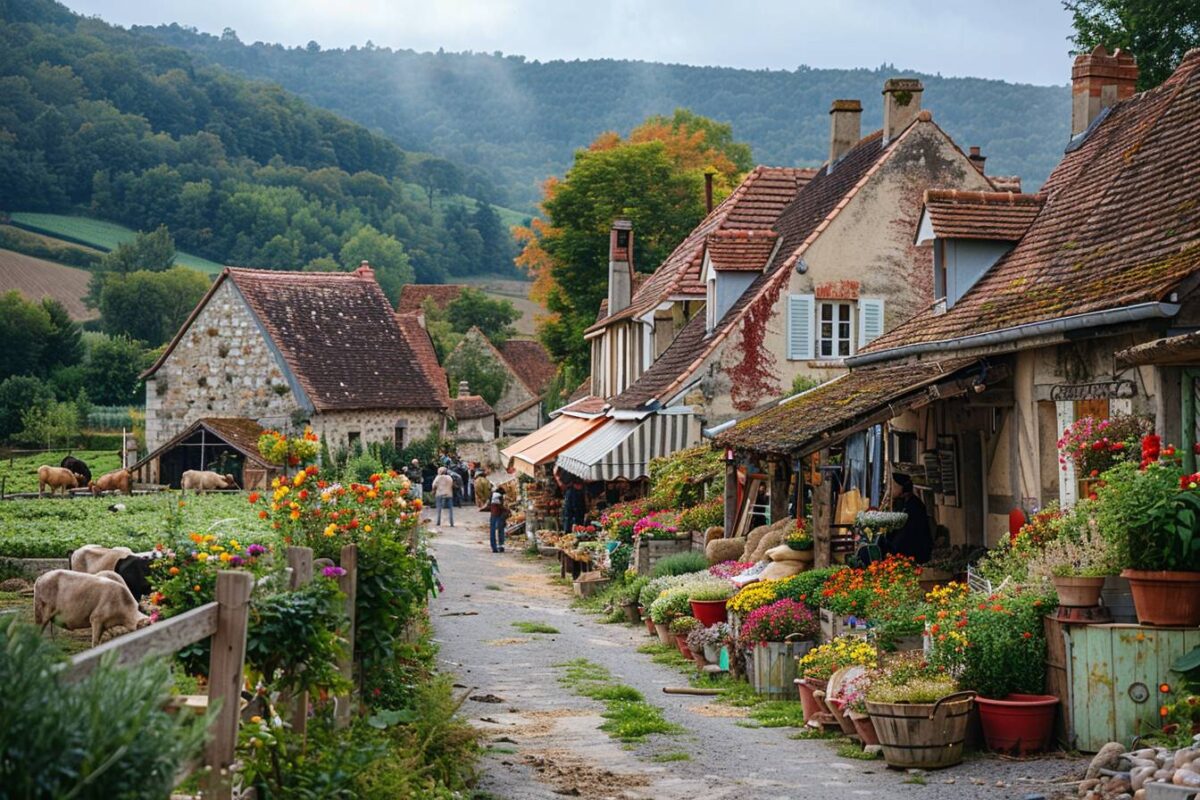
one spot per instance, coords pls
(1026, 635)
(253, 498)
(262, 515)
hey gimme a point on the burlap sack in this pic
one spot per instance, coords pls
(719, 550)
(772, 538)
(785, 553)
(715, 532)
(782, 569)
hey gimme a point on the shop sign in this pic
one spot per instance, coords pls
(1104, 390)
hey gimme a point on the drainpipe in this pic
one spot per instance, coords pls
(1115, 316)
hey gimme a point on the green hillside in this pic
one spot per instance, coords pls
(520, 120)
(95, 233)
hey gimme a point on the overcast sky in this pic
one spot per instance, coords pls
(1016, 40)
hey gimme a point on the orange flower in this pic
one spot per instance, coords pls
(253, 497)
(262, 515)
(173, 570)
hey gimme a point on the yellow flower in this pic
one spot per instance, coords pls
(275, 483)
(300, 476)
(325, 497)
(295, 515)
(225, 557)
(330, 529)
(256, 719)
(216, 548)
(367, 528)
(234, 544)
(202, 556)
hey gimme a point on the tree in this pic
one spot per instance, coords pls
(386, 256)
(472, 361)
(112, 371)
(150, 306)
(438, 175)
(64, 345)
(25, 329)
(474, 309)
(154, 251)
(1157, 32)
(17, 394)
(52, 425)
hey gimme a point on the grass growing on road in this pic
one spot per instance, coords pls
(666, 758)
(848, 749)
(534, 627)
(628, 716)
(775, 714)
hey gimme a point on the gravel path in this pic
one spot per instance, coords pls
(546, 743)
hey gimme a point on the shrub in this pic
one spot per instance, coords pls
(680, 564)
(912, 690)
(777, 622)
(756, 595)
(711, 590)
(807, 586)
(844, 651)
(703, 516)
(361, 467)
(670, 604)
(682, 626)
(678, 480)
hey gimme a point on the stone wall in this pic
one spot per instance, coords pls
(222, 367)
(527, 421)
(375, 425)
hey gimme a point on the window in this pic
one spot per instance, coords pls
(399, 432)
(834, 330)
(353, 440)
(800, 327)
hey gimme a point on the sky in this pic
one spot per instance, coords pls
(1022, 41)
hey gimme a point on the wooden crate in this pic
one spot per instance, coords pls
(835, 625)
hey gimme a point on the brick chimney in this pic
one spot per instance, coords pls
(620, 265)
(464, 388)
(364, 271)
(845, 128)
(901, 102)
(708, 190)
(1098, 80)
(977, 159)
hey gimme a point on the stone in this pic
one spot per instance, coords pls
(1185, 756)
(1140, 794)
(1116, 786)
(1106, 758)
(1185, 777)
(1139, 775)
(1087, 785)
(875, 750)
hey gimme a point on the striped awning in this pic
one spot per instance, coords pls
(624, 448)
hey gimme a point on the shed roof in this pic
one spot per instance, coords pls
(740, 251)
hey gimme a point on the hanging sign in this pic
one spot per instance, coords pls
(1104, 390)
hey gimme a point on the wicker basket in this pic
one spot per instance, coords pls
(922, 735)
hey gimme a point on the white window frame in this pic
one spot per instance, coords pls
(836, 339)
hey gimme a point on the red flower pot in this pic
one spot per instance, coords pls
(1163, 597)
(1019, 724)
(681, 643)
(709, 612)
(811, 706)
(649, 624)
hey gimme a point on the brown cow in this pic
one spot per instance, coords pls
(55, 478)
(77, 600)
(201, 481)
(119, 480)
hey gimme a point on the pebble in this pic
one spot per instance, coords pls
(1106, 758)
(948, 780)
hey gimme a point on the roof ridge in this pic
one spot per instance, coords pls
(978, 196)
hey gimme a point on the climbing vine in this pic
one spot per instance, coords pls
(756, 376)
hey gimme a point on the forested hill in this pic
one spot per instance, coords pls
(521, 120)
(99, 120)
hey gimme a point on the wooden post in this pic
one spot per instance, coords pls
(779, 486)
(300, 559)
(348, 583)
(225, 677)
(731, 501)
(822, 513)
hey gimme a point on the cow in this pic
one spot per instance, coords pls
(77, 601)
(55, 478)
(82, 473)
(201, 481)
(119, 480)
(131, 568)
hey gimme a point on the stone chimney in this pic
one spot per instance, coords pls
(364, 271)
(977, 159)
(464, 388)
(708, 190)
(620, 265)
(901, 102)
(1098, 80)
(845, 128)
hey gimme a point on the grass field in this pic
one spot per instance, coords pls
(517, 293)
(508, 216)
(20, 472)
(36, 278)
(95, 233)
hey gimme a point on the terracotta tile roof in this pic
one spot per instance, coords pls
(470, 406)
(1120, 225)
(581, 391)
(807, 215)
(740, 250)
(426, 356)
(1182, 349)
(958, 214)
(531, 364)
(240, 432)
(603, 312)
(414, 295)
(754, 205)
(588, 405)
(804, 420)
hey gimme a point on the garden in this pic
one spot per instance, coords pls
(340, 696)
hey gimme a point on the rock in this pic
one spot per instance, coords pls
(1137, 761)
(1139, 775)
(1001, 784)
(1185, 777)
(873, 750)
(1140, 794)
(1185, 756)
(1164, 774)
(1106, 758)
(1116, 786)
(948, 780)
(1145, 752)
(915, 771)
(1088, 785)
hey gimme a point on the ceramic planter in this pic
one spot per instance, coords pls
(1078, 592)
(864, 727)
(632, 615)
(1019, 724)
(712, 653)
(709, 612)
(839, 715)
(684, 650)
(664, 634)
(922, 735)
(649, 623)
(811, 705)
(1163, 597)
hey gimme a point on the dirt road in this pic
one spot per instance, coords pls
(546, 742)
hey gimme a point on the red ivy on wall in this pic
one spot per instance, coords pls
(755, 377)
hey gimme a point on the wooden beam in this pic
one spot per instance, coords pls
(300, 559)
(226, 665)
(731, 503)
(348, 583)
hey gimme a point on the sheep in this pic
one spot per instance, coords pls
(133, 569)
(82, 473)
(119, 480)
(55, 478)
(201, 481)
(81, 601)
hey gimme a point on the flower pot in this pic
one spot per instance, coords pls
(1163, 597)
(839, 716)
(922, 735)
(864, 727)
(684, 650)
(709, 612)
(632, 615)
(775, 667)
(664, 635)
(1019, 724)
(812, 707)
(649, 623)
(700, 659)
(1078, 592)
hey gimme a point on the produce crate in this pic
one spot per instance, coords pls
(835, 625)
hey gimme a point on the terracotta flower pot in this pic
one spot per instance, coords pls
(709, 612)
(864, 727)
(1019, 724)
(632, 614)
(684, 650)
(808, 703)
(649, 624)
(839, 715)
(664, 635)
(700, 659)
(1163, 597)
(1078, 592)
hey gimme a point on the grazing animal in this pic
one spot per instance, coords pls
(201, 481)
(116, 508)
(55, 478)
(93, 558)
(82, 473)
(133, 569)
(81, 601)
(119, 480)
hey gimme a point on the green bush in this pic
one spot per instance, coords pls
(703, 516)
(106, 736)
(680, 564)
(361, 467)
(806, 587)
(715, 589)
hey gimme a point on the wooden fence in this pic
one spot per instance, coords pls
(226, 621)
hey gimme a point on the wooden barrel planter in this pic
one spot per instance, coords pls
(922, 735)
(774, 668)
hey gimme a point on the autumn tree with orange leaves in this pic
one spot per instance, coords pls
(654, 178)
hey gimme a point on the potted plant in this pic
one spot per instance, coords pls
(707, 599)
(627, 598)
(697, 643)
(775, 635)
(1151, 515)
(680, 628)
(872, 526)
(817, 666)
(800, 540)
(670, 604)
(919, 716)
(854, 703)
(1076, 562)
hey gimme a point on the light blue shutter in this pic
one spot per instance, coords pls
(800, 327)
(870, 321)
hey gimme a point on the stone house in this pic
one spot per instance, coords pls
(528, 370)
(288, 348)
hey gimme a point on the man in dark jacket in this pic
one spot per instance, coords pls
(915, 539)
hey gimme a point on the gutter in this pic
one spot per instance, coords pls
(717, 430)
(1115, 316)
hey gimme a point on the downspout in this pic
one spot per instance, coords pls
(1115, 316)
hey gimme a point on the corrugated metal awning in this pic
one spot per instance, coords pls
(624, 448)
(541, 446)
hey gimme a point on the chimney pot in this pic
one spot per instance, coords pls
(1099, 80)
(901, 104)
(464, 388)
(845, 128)
(620, 266)
(977, 159)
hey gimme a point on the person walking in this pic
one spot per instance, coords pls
(497, 521)
(458, 485)
(443, 495)
(413, 473)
